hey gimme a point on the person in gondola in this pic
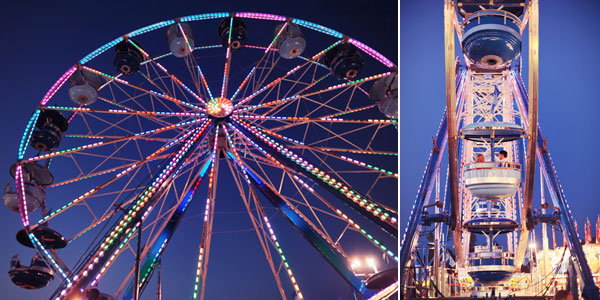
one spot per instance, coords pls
(503, 158)
(479, 158)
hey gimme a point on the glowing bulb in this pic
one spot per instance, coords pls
(371, 263)
(355, 263)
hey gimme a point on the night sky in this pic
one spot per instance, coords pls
(568, 106)
(42, 40)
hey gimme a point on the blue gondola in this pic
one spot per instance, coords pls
(491, 38)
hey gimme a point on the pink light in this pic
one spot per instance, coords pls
(261, 16)
(376, 55)
(58, 84)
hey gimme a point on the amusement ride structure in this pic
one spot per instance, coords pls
(301, 118)
(476, 237)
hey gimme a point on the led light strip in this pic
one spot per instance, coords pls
(94, 145)
(351, 222)
(206, 215)
(123, 111)
(304, 218)
(158, 183)
(167, 72)
(272, 233)
(360, 163)
(346, 191)
(274, 82)
(294, 97)
(27, 134)
(161, 95)
(254, 68)
(324, 119)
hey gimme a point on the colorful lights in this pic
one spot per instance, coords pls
(207, 227)
(219, 107)
(376, 55)
(261, 16)
(350, 221)
(204, 17)
(22, 197)
(128, 112)
(57, 85)
(27, 134)
(150, 28)
(100, 50)
(280, 252)
(318, 28)
(298, 96)
(274, 82)
(362, 201)
(143, 205)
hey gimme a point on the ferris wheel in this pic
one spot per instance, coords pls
(299, 118)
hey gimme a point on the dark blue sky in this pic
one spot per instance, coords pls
(568, 100)
(40, 41)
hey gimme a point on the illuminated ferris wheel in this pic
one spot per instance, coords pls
(471, 232)
(301, 118)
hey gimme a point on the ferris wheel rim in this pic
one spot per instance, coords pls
(82, 64)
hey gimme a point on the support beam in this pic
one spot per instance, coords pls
(100, 259)
(165, 236)
(383, 218)
(337, 261)
(532, 111)
(450, 56)
(413, 228)
(590, 290)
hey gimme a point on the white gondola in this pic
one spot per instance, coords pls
(177, 40)
(492, 180)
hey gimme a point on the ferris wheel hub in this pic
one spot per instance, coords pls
(219, 107)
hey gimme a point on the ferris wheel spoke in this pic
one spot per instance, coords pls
(149, 92)
(227, 67)
(209, 210)
(97, 263)
(338, 135)
(321, 232)
(103, 172)
(330, 149)
(267, 51)
(292, 121)
(173, 77)
(156, 244)
(165, 88)
(191, 62)
(321, 91)
(259, 230)
(337, 260)
(91, 192)
(98, 144)
(279, 108)
(276, 81)
(384, 218)
(131, 98)
(361, 164)
(259, 75)
(121, 106)
(127, 112)
(351, 223)
(328, 116)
